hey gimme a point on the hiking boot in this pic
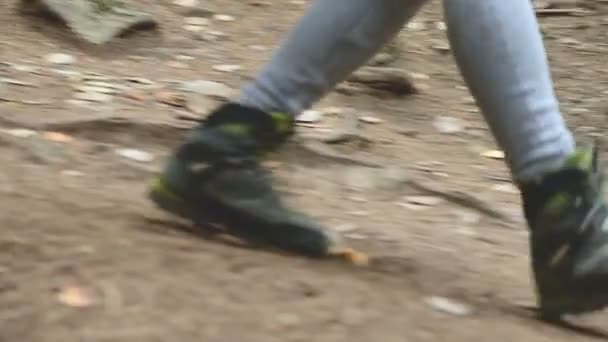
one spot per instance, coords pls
(216, 177)
(568, 219)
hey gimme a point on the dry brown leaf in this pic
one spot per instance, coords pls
(75, 296)
(58, 137)
(353, 256)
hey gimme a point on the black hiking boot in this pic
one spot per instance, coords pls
(568, 218)
(216, 177)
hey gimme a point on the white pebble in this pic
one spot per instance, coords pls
(137, 155)
(60, 59)
(449, 306)
(223, 17)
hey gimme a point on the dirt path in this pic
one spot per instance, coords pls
(84, 257)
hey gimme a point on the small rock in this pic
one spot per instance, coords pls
(346, 227)
(196, 21)
(184, 58)
(223, 17)
(137, 155)
(448, 306)
(416, 26)
(493, 154)
(419, 76)
(468, 217)
(448, 124)
(217, 34)
(60, 59)
(382, 58)
(441, 47)
(370, 120)
(440, 25)
(72, 173)
(309, 116)
(506, 187)
(207, 88)
(186, 3)
(227, 67)
(193, 28)
(21, 132)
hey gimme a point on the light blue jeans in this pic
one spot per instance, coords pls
(497, 45)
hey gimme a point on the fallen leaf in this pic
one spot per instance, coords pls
(354, 257)
(75, 296)
(58, 137)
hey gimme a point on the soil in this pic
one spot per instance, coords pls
(85, 257)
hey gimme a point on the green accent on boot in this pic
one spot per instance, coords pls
(237, 130)
(282, 121)
(581, 159)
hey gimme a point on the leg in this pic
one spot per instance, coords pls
(215, 174)
(499, 49)
(503, 60)
(333, 39)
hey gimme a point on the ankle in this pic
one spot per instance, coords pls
(266, 130)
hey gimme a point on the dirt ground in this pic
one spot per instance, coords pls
(85, 257)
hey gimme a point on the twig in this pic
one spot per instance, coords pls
(462, 199)
(392, 80)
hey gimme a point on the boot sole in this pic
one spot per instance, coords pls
(554, 309)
